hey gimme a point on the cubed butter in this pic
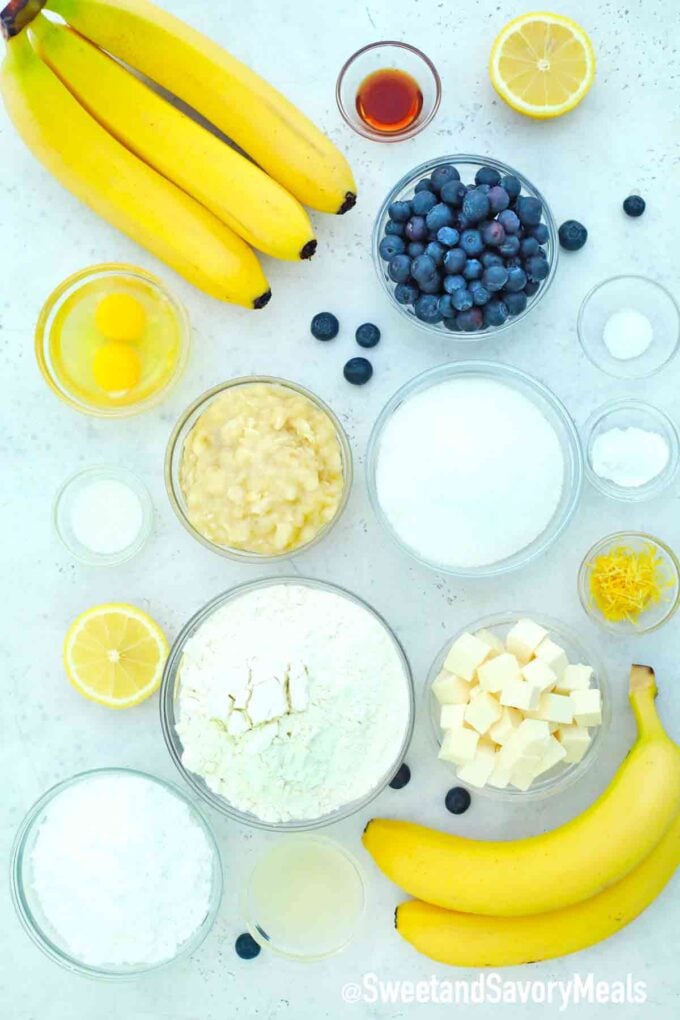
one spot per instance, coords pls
(477, 772)
(525, 772)
(575, 740)
(475, 691)
(554, 754)
(450, 689)
(466, 655)
(575, 678)
(520, 694)
(459, 746)
(539, 675)
(587, 706)
(495, 673)
(482, 712)
(532, 737)
(452, 717)
(554, 708)
(552, 655)
(503, 729)
(524, 638)
(495, 644)
(500, 775)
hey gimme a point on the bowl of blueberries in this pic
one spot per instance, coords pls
(465, 246)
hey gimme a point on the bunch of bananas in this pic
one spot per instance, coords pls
(495, 904)
(151, 170)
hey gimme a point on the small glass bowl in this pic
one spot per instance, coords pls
(555, 413)
(64, 292)
(175, 450)
(558, 778)
(64, 502)
(625, 414)
(169, 692)
(656, 615)
(467, 165)
(642, 295)
(28, 906)
(382, 56)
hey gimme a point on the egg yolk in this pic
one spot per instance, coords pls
(120, 317)
(116, 367)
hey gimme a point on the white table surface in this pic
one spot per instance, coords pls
(624, 137)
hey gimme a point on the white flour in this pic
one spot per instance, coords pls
(327, 687)
(629, 457)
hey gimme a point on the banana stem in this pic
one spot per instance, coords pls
(642, 693)
(18, 14)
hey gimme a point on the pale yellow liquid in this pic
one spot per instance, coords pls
(305, 898)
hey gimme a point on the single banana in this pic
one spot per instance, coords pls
(473, 940)
(221, 179)
(557, 868)
(246, 108)
(120, 187)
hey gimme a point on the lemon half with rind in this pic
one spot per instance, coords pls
(542, 64)
(114, 654)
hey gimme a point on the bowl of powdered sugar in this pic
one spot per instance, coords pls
(287, 703)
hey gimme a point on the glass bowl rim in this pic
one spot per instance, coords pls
(173, 488)
(53, 302)
(34, 930)
(167, 708)
(491, 370)
(565, 778)
(465, 159)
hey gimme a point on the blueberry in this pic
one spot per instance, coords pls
(515, 302)
(529, 210)
(457, 800)
(509, 221)
(495, 313)
(422, 268)
(476, 205)
(433, 285)
(442, 175)
(402, 778)
(424, 185)
(513, 260)
(536, 268)
(498, 199)
(427, 309)
(325, 326)
(454, 260)
(358, 371)
(399, 211)
(495, 278)
(462, 299)
(573, 235)
(471, 242)
(634, 205)
(487, 175)
(517, 279)
(446, 309)
(531, 288)
(453, 283)
(406, 293)
(493, 234)
(416, 229)
(423, 202)
(528, 246)
(391, 246)
(367, 335)
(510, 246)
(491, 258)
(414, 248)
(511, 185)
(451, 324)
(246, 947)
(394, 229)
(439, 216)
(480, 295)
(540, 232)
(436, 252)
(473, 269)
(470, 321)
(399, 268)
(448, 236)
(453, 193)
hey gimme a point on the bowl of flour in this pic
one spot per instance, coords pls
(474, 468)
(287, 703)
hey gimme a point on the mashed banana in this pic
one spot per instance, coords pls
(262, 469)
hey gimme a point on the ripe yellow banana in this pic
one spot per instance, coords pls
(120, 187)
(221, 179)
(557, 868)
(473, 940)
(267, 126)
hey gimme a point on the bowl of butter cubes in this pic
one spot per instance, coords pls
(518, 706)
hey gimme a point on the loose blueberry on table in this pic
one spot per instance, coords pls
(246, 947)
(325, 325)
(402, 778)
(358, 371)
(457, 800)
(367, 335)
(473, 253)
(573, 235)
(634, 205)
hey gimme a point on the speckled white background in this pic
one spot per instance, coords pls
(625, 137)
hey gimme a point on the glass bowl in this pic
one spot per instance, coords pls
(467, 165)
(558, 778)
(554, 412)
(28, 907)
(383, 56)
(155, 294)
(64, 503)
(642, 295)
(170, 686)
(623, 414)
(175, 449)
(656, 615)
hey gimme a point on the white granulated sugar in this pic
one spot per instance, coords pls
(469, 472)
(122, 871)
(627, 334)
(106, 516)
(629, 457)
(293, 702)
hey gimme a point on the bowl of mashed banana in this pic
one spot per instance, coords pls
(258, 468)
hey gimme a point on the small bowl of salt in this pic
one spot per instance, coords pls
(103, 515)
(632, 450)
(629, 326)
